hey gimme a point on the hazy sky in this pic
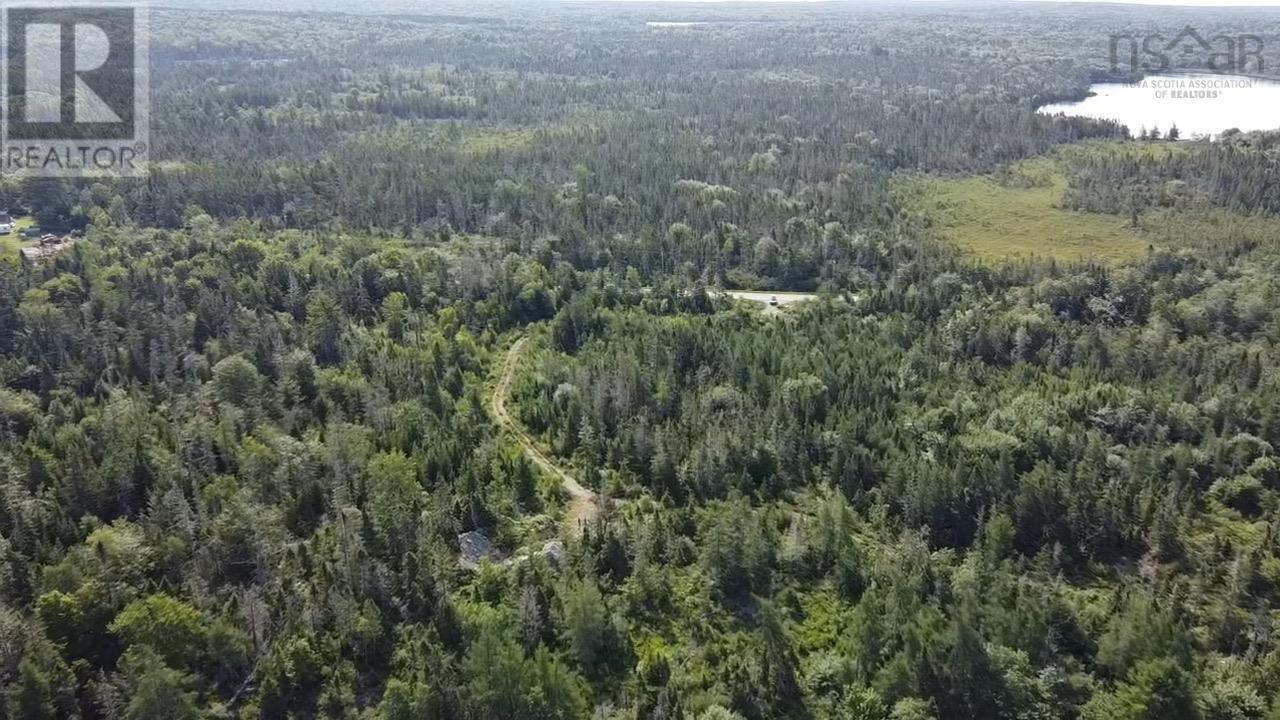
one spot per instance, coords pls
(1198, 3)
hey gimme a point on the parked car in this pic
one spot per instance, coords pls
(773, 301)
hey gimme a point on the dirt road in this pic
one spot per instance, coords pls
(584, 504)
(783, 298)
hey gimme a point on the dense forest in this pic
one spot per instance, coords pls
(405, 387)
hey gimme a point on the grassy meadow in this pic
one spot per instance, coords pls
(10, 244)
(1017, 214)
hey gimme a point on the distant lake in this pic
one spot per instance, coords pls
(1200, 104)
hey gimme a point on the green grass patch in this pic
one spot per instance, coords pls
(1020, 217)
(1129, 148)
(498, 141)
(1017, 213)
(10, 244)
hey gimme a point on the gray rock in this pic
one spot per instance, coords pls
(554, 552)
(475, 548)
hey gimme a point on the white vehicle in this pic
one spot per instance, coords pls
(773, 301)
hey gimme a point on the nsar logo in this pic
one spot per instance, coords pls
(1186, 51)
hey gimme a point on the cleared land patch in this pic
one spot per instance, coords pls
(10, 244)
(1018, 213)
(1021, 217)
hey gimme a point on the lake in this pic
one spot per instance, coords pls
(1200, 104)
